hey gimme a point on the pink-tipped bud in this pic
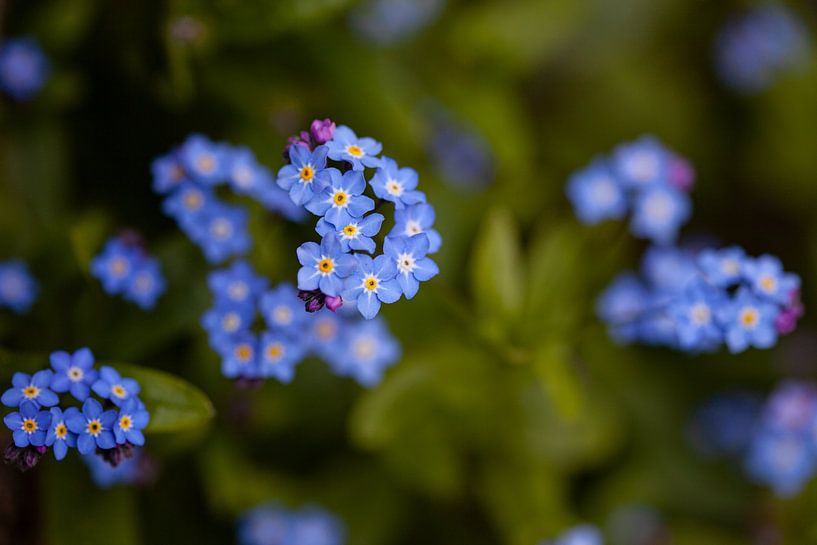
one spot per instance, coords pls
(681, 174)
(333, 303)
(322, 131)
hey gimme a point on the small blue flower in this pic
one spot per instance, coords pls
(314, 526)
(265, 525)
(221, 232)
(279, 356)
(168, 173)
(359, 152)
(114, 266)
(414, 220)
(722, 268)
(324, 267)
(387, 22)
(657, 328)
(237, 285)
(783, 461)
(584, 534)
(146, 284)
(343, 200)
(371, 283)
(306, 175)
(659, 213)
(188, 201)
(748, 321)
(397, 185)
(33, 389)
(59, 436)
(368, 350)
(791, 407)
(246, 175)
(130, 422)
(239, 358)
(668, 269)
(73, 372)
(275, 199)
(694, 313)
(413, 267)
(325, 331)
(29, 426)
(642, 163)
(596, 194)
(93, 426)
(110, 385)
(726, 423)
(204, 160)
(18, 289)
(24, 68)
(622, 306)
(282, 310)
(129, 470)
(226, 320)
(768, 280)
(356, 234)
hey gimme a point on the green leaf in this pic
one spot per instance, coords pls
(174, 404)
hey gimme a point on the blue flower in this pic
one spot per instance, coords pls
(59, 436)
(29, 426)
(694, 313)
(325, 331)
(748, 321)
(265, 525)
(726, 423)
(386, 22)
(238, 284)
(343, 200)
(306, 175)
(783, 461)
(584, 534)
(596, 194)
(659, 212)
(147, 284)
(247, 176)
(73, 372)
(168, 173)
(110, 385)
(397, 185)
(722, 268)
(18, 289)
(668, 269)
(279, 356)
(314, 526)
(368, 349)
(130, 422)
(24, 68)
(32, 389)
(114, 266)
(93, 426)
(204, 160)
(371, 283)
(105, 476)
(275, 199)
(791, 407)
(226, 320)
(642, 163)
(657, 328)
(461, 156)
(356, 234)
(622, 306)
(239, 358)
(282, 310)
(413, 267)
(414, 220)
(324, 267)
(768, 281)
(188, 201)
(221, 232)
(359, 152)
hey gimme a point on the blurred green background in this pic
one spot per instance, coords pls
(511, 415)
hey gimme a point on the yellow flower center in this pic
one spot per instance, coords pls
(206, 163)
(350, 230)
(61, 431)
(748, 317)
(192, 200)
(119, 266)
(238, 291)
(364, 348)
(768, 284)
(30, 425)
(75, 373)
(94, 427)
(118, 391)
(306, 174)
(326, 329)
(31, 392)
(283, 315)
(125, 423)
(221, 228)
(275, 351)
(243, 353)
(370, 283)
(354, 151)
(340, 198)
(326, 265)
(230, 322)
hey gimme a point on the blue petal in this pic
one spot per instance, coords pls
(60, 360)
(60, 382)
(91, 408)
(60, 450)
(84, 358)
(20, 438)
(42, 379)
(136, 437)
(107, 419)
(368, 305)
(20, 380)
(75, 421)
(86, 444)
(37, 438)
(13, 421)
(105, 440)
(12, 397)
(308, 254)
(80, 391)
(425, 269)
(47, 398)
(408, 284)
(389, 291)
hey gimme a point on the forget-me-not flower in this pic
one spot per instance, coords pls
(32, 389)
(359, 152)
(372, 282)
(73, 373)
(324, 267)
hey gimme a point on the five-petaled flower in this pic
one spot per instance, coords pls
(356, 234)
(130, 422)
(373, 282)
(110, 385)
(59, 437)
(342, 200)
(73, 372)
(33, 389)
(93, 426)
(324, 267)
(397, 185)
(306, 174)
(413, 267)
(359, 152)
(29, 426)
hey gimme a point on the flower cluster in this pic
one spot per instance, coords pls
(24, 68)
(698, 302)
(584, 534)
(271, 524)
(352, 347)
(777, 440)
(111, 430)
(124, 268)
(642, 178)
(754, 49)
(18, 289)
(326, 174)
(190, 175)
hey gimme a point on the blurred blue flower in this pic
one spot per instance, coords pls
(279, 355)
(396, 185)
(596, 195)
(246, 175)
(372, 282)
(266, 524)
(768, 280)
(460, 156)
(622, 305)
(188, 201)
(722, 268)
(315, 526)
(659, 212)
(73, 372)
(128, 471)
(18, 289)
(29, 426)
(24, 68)
(221, 232)
(204, 160)
(414, 220)
(784, 461)
(413, 267)
(694, 314)
(748, 321)
(725, 424)
(342, 201)
(325, 332)
(282, 310)
(668, 269)
(355, 234)
(275, 199)
(147, 284)
(111, 385)
(324, 267)
(168, 172)
(226, 320)
(130, 422)
(239, 356)
(59, 437)
(115, 265)
(641, 164)
(368, 349)
(791, 407)
(358, 152)
(237, 284)
(93, 426)
(584, 534)
(32, 389)
(386, 22)
(306, 175)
